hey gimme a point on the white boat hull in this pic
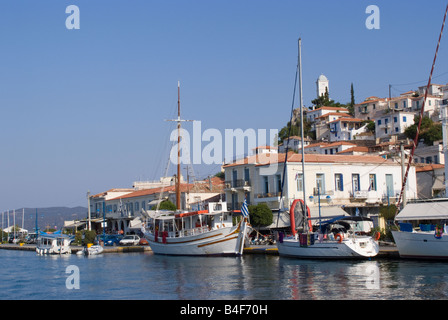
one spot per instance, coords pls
(223, 241)
(352, 248)
(421, 245)
(53, 250)
(93, 250)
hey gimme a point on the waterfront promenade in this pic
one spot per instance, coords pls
(386, 251)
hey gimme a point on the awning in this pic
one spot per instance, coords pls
(424, 211)
(75, 224)
(327, 212)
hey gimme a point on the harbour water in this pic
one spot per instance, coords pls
(145, 276)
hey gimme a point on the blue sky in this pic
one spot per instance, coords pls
(84, 109)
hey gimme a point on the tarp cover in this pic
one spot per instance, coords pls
(424, 211)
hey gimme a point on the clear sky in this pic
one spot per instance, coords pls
(85, 109)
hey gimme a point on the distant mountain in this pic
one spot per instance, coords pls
(52, 217)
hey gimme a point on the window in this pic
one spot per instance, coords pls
(266, 184)
(395, 119)
(279, 183)
(234, 178)
(355, 182)
(404, 119)
(320, 182)
(338, 182)
(300, 182)
(379, 122)
(246, 174)
(396, 105)
(372, 182)
(404, 104)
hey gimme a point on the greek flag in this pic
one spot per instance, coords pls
(244, 209)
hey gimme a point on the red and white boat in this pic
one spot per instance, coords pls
(197, 233)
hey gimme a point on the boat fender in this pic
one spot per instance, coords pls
(377, 236)
(339, 237)
(164, 235)
(280, 237)
(438, 232)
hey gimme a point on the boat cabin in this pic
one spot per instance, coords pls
(192, 223)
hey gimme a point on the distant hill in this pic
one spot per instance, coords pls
(52, 217)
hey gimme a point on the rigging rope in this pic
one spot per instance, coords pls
(415, 142)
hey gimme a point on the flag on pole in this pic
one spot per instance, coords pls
(244, 209)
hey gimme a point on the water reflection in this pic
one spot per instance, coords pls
(24, 275)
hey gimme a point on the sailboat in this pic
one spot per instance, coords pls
(429, 239)
(195, 233)
(334, 238)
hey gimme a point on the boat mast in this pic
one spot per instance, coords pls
(178, 148)
(305, 212)
(415, 142)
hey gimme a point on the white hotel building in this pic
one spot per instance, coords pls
(351, 182)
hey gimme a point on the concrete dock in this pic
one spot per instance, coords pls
(386, 251)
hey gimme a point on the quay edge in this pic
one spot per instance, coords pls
(75, 249)
(389, 252)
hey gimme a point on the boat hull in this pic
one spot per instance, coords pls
(224, 241)
(422, 245)
(357, 248)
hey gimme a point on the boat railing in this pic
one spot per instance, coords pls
(186, 232)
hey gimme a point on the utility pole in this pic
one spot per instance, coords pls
(88, 211)
(403, 172)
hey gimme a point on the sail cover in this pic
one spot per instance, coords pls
(424, 211)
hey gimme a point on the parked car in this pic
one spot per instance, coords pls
(130, 240)
(143, 242)
(112, 240)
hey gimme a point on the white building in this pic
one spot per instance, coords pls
(346, 129)
(362, 182)
(372, 108)
(393, 123)
(322, 85)
(314, 115)
(294, 143)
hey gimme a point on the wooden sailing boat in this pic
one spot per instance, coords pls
(430, 239)
(198, 233)
(323, 243)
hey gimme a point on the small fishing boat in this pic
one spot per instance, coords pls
(91, 250)
(198, 233)
(53, 244)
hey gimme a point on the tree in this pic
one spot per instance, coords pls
(166, 205)
(351, 106)
(429, 130)
(260, 215)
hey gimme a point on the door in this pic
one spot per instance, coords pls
(389, 185)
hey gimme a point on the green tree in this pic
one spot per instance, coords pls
(351, 106)
(260, 215)
(166, 205)
(370, 125)
(429, 130)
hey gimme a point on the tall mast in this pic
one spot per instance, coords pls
(178, 148)
(302, 134)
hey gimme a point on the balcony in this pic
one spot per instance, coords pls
(238, 185)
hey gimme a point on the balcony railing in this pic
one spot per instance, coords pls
(240, 183)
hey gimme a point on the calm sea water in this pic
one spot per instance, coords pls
(24, 275)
